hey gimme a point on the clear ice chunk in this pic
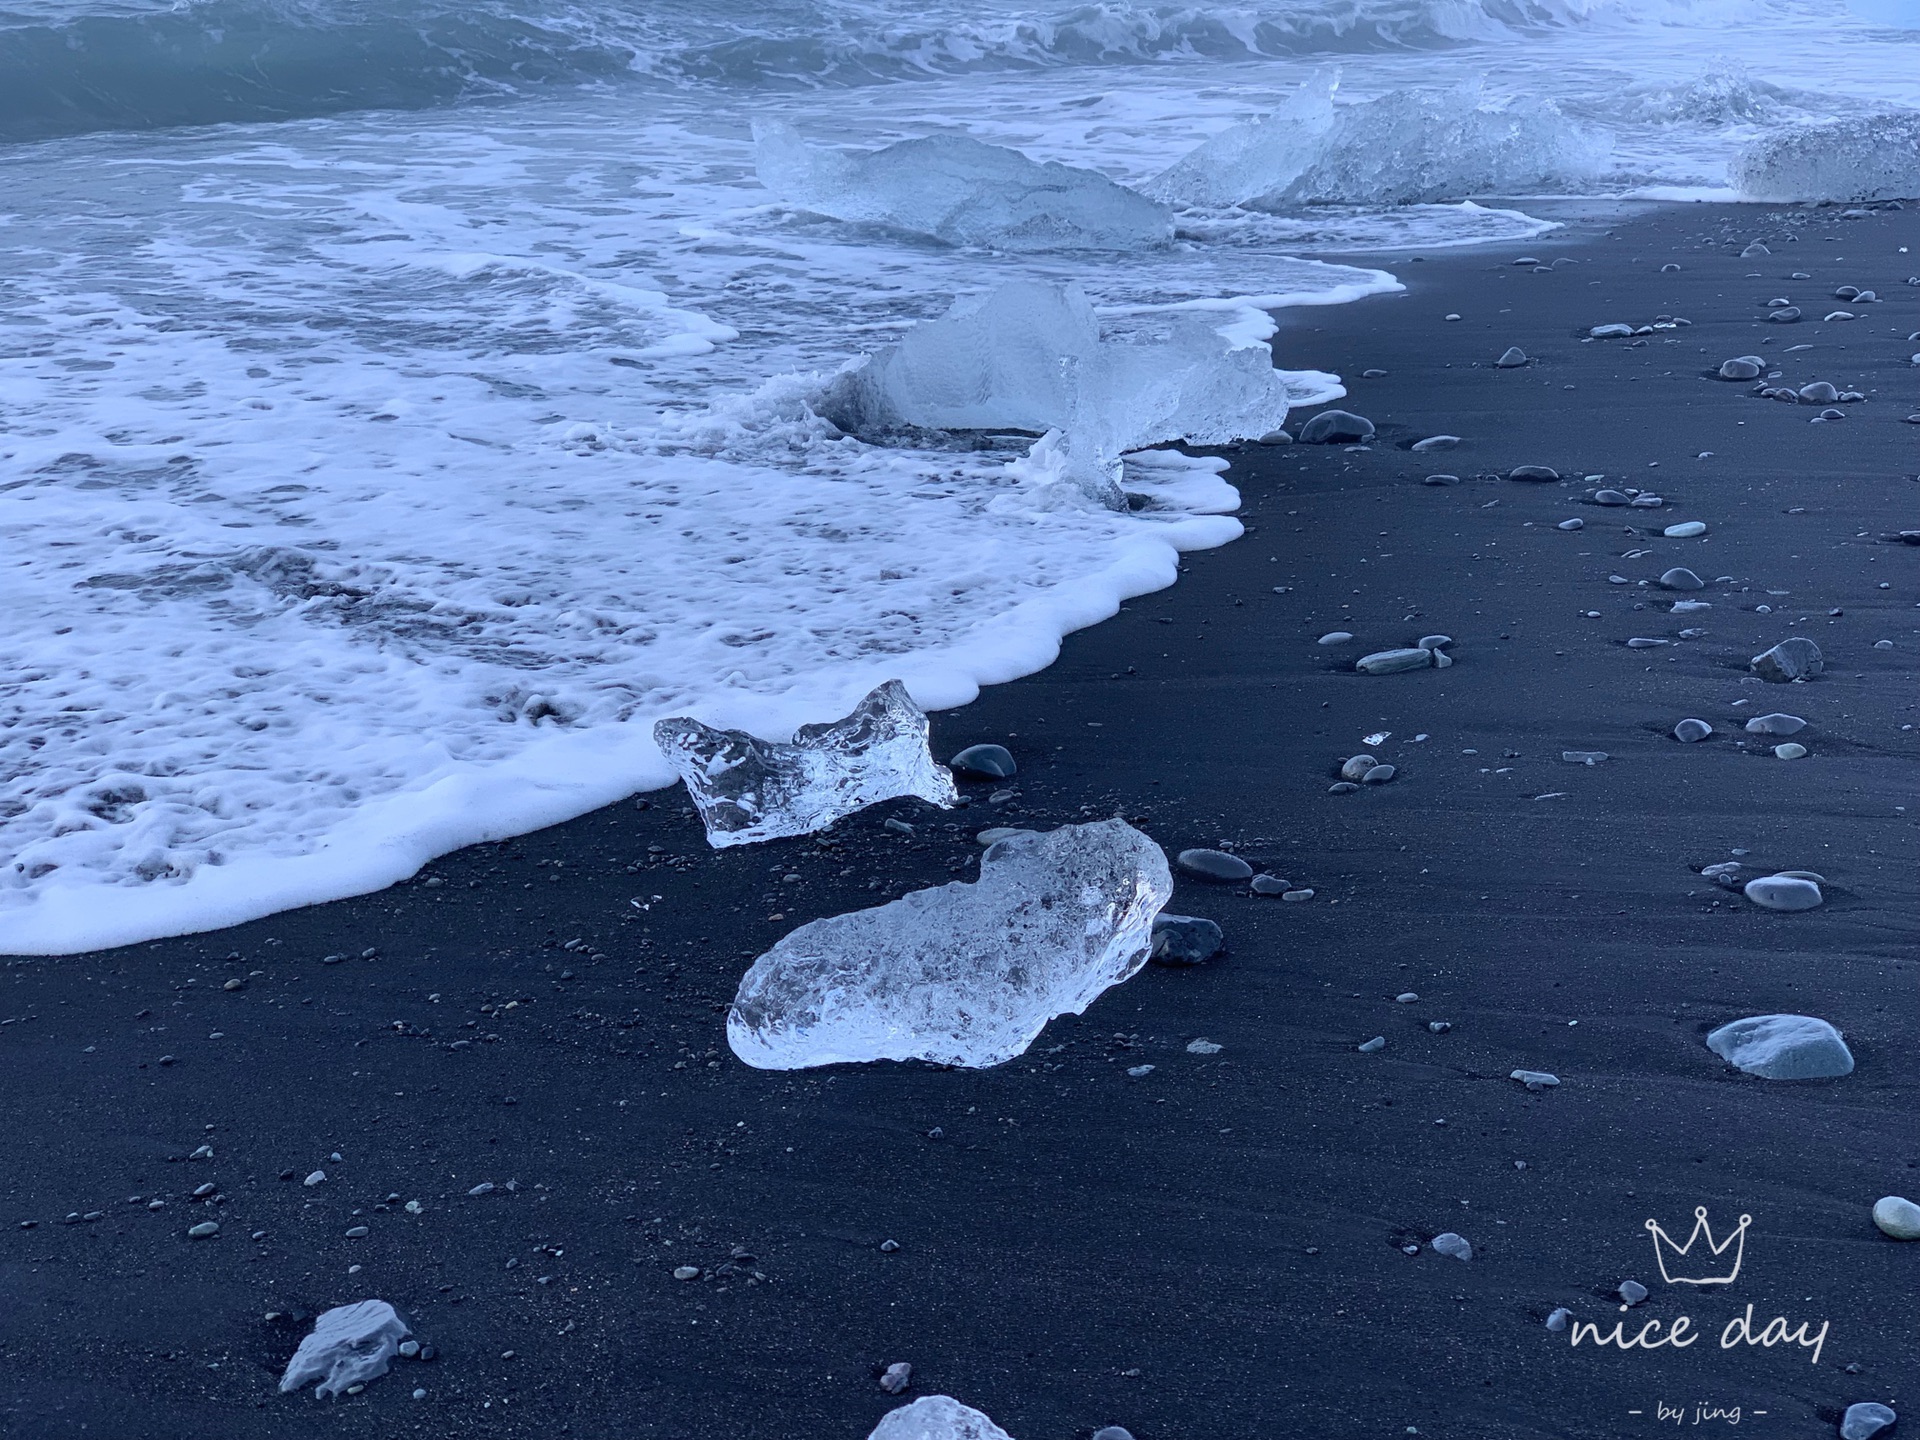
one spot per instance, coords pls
(1029, 355)
(748, 789)
(961, 191)
(937, 1417)
(350, 1345)
(1873, 157)
(962, 974)
(1407, 147)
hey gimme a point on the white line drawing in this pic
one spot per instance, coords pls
(1736, 1239)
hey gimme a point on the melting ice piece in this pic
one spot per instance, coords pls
(937, 1417)
(350, 1345)
(1029, 355)
(749, 789)
(962, 974)
(1407, 147)
(1783, 1047)
(960, 191)
(1875, 157)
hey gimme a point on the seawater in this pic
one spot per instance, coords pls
(402, 406)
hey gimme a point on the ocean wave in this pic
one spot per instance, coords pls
(194, 62)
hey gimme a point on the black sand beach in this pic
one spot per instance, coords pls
(1212, 1250)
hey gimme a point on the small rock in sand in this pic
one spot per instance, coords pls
(1389, 662)
(1631, 1291)
(1204, 1047)
(1434, 642)
(1335, 637)
(1271, 884)
(1611, 332)
(1818, 393)
(984, 762)
(1571, 525)
(1354, 768)
(1610, 497)
(1791, 750)
(1367, 1047)
(1533, 472)
(1455, 479)
(1794, 658)
(1214, 865)
(896, 1377)
(1741, 369)
(1332, 427)
(1865, 1420)
(1378, 775)
(1692, 730)
(1557, 1321)
(1686, 530)
(1435, 442)
(1456, 1246)
(1583, 757)
(998, 833)
(1897, 1217)
(1535, 1079)
(1512, 358)
(1681, 578)
(1276, 437)
(1776, 724)
(1184, 940)
(1783, 1047)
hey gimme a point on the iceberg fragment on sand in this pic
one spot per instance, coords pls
(937, 1417)
(962, 974)
(350, 1345)
(748, 789)
(1029, 355)
(1407, 147)
(961, 191)
(1875, 157)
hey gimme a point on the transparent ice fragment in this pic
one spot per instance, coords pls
(1030, 355)
(961, 191)
(748, 789)
(1407, 147)
(350, 1345)
(937, 1417)
(1874, 157)
(962, 974)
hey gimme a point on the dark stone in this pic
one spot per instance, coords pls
(1446, 479)
(1793, 658)
(1331, 427)
(1681, 578)
(1214, 865)
(984, 762)
(1184, 940)
(1533, 472)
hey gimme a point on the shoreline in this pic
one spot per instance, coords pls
(1215, 1248)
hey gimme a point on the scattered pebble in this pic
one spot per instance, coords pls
(1390, 662)
(1367, 1047)
(1791, 750)
(1784, 892)
(205, 1230)
(1571, 525)
(1535, 1079)
(1450, 1244)
(1139, 1072)
(1512, 358)
(1632, 1291)
(1865, 1420)
(984, 762)
(1776, 724)
(896, 1377)
(1783, 1047)
(1686, 530)
(1611, 332)
(1557, 1321)
(1378, 775)
(1436, 442)
(1794, 658)
(1455, 479)
(1897, 1217)
(1332, 427)
(686, 1272)
(1692, 730)
(1583, 757)
(1297, 895)
(1270, 885)
(1741, 369)
(1214, 865)
(1533, 472)
(1335, 637)
(995, 834)
(1439, 1027)
(1406, 997)
(1184, 940)
(1681, 578)
(1204, 1047)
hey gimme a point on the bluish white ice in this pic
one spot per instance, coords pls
(937, 1417)
(380, 461)
(349, 1345)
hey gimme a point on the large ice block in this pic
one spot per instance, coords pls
(961, 191)
(748, 789)
(350, 1345)
(1407, 147)
(962, 974)
(937, 1417)
(1874, 157)
(1029, 355)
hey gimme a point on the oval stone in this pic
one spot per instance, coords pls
(1784, 892)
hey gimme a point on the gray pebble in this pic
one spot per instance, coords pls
(1610, 332)
(1865, 1420)
(1512, 358)
(1535, 1079)
(1357, 767)
(1776, 724)
(1389, 662)
(1785, 315)
(1883, 644)
(1818, 393)
(1792, 659)
(1335, 637)
(1571, 525)
(1214, 865)
(1276, 437)
(1435, 442)
(1112, 1432)
(997, 833)
(207, 1229)
(1632, 1291)
(1533, 472)
(896, 1377)
(1557, 1321)
(1378, 775)
(1332, 427)
(1455, 1246)
(1741, 369)
(1406, 997)
(1269, 884)
(1791, 750)
(984, 762)
(1692, 730)
(1343, 787)
(1681, 578)
(1455, 479)
(1784, 892)
(1783, 1047)
(1439, 1027)
(1583, 757)
(1367, 1047)
(1298, 896)
(1184, 940)
(1643, 642)
(1434, 642)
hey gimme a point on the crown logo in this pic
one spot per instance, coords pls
(1664, 1248)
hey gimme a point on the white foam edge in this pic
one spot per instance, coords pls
(571, 774)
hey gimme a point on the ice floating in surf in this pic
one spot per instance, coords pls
(962, 974)
(1030, 356)
(961, 191)
(749, 789)
(1876, 157)
(937, 1417)
(1407, 147)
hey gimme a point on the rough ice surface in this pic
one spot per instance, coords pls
(962, 974)
(749, 789)
(1407, 147)
(962, 191)
(1783, 1047)
(1876, 157)
(1030, 355)
(350, 1345)
(937, 1417)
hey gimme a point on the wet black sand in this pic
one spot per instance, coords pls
(1213, 1250)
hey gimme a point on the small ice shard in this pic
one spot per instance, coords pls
(984, 762)
(1029, 355)
(1204, 1047)
(1792, 659)
(961, 974)
(1512, 358)
(1557, 1321)
(1336, 427)
(1783, 1047)
(1776, 724)
(350, 1345)
(1535, 1079)
(961, 191)
(1866, 1420)
(748, 789)
(1873, 157)
(1631, 1291)
(1583, 757)
(1784, 892)
(937, 1417)
(1691, 731)
(1451, 1244)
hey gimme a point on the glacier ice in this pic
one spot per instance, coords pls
(1406, 147)
(1029, 355)
(1783, 1047)
(961, 191)
(748, 789)
(937, 1417)
(961, 974)
(350, 1345)
(1875, 157)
